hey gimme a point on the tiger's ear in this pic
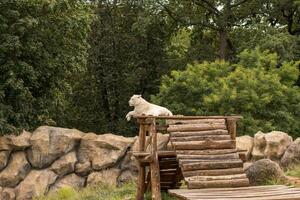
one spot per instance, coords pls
(139, 95)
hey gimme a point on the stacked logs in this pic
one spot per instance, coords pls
(206, 153)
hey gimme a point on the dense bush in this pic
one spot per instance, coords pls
(42, 44)
(257, 87)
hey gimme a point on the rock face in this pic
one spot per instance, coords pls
(35, 184)
(103, 150)
(65, 164)
(4, 144)
(83, 169)
(292, 154)
(21, 141)
(259, 146)
(270, 145)
(108, 176)
(245, 143)
(16, 170)
(162, 142)
(49, 143)
(7, 194)
(262, 171)
(4, 156)
(277, 143)
(71, 180)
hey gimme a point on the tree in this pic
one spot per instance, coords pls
(219, 17)
(265, 95)
(42, 44)
(127, 57)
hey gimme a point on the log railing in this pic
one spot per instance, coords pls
(148, 127)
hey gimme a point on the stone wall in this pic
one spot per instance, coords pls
(33, 164)
(50, 158)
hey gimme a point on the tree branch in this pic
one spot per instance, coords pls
(238, 3)
(184, 21)
(208, 6)
(290, 22)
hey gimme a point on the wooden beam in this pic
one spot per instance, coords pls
(231, 127)
(195, 127)
(212, 165)
(207, 144)
(198, 133)
(213, 172)
(142, 171)
(154, 165)
(189, 117)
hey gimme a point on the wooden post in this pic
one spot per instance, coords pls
(231, 126)
(154, 165)
(142, 170)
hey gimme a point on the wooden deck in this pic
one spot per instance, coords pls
(272, 192)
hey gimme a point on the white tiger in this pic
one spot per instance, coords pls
(143, 107)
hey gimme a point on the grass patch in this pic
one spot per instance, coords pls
(294, 171)
(101, 192)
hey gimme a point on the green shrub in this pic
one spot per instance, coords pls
(257, 87)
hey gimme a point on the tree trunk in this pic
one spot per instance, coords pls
(223, 45)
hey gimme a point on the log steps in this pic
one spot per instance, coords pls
(206, 153)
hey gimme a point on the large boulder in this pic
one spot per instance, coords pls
(21, 141)
(4, 157)
(65, 164)
(263, 171)
(245, 144)
(108, 176)
(276, 144)
(50, 143)
(4, 143)
(13, 142)
(83, 169)
(127, 176)
(162, 141)
(259, 146)
(292, 154)
(8, 194)
(16, 170)
(71, 180)
(35, 184)
(103, 150)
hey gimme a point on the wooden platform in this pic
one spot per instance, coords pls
(272, 192)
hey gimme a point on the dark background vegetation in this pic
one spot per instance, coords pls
(76, 63)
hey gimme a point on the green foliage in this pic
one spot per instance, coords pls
(294, 171)
(127, 57)
(42, 44)
(259, 88)
(101, 192)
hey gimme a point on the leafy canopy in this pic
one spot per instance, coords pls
(257, 87)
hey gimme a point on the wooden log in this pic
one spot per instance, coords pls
(199, 133)
(206, 151)
(207, 144)
(195, 127)
(188, 161)
(195, 121)
(200, 138)
(210, 157)
(166, 154)
(142, 171)
(189, 117)
(213, 172)
(212, 165)
(211, 178)
(218, 183)
(154, 165)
